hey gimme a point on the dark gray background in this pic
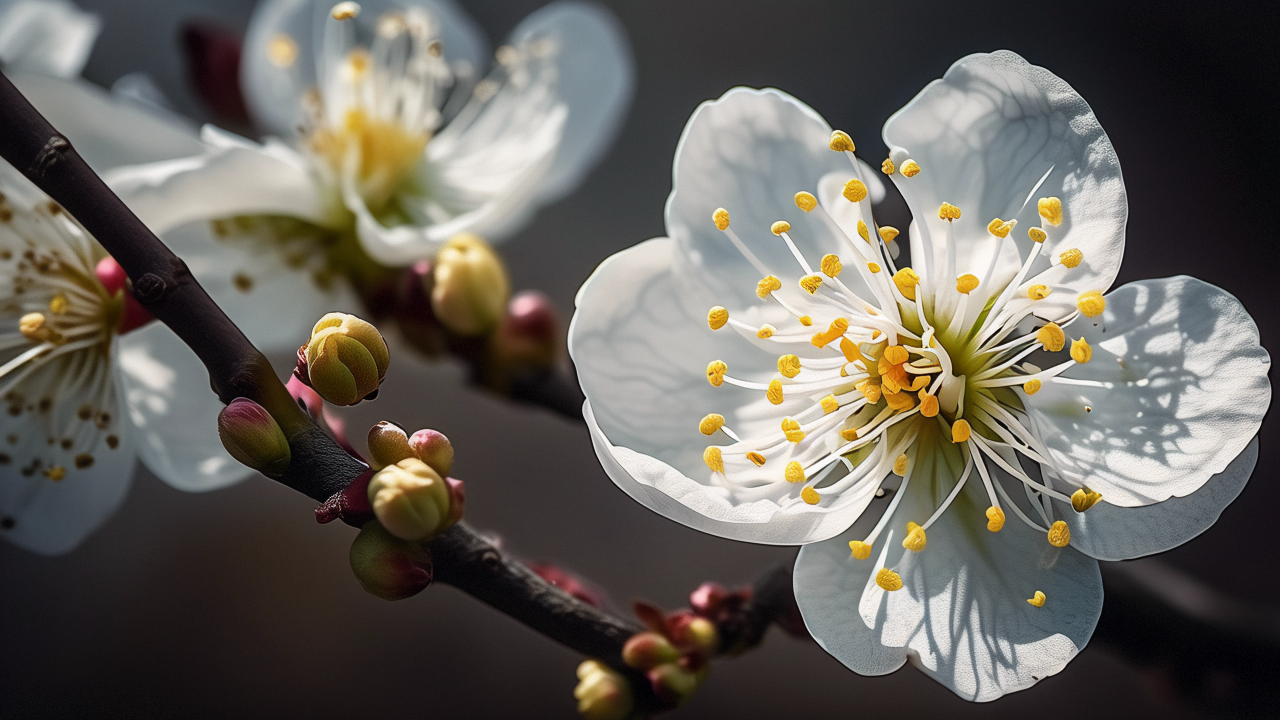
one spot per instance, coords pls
(236, 603)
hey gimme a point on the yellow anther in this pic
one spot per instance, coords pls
(717, 317)
(32, 326)
(999, 228)
(1051, 210)
(767, 285)
(896, 354)
(919, 382)
(906, 279)
(960, 431)
(359, 61)
(1051, 337)
(55, 473)
(966, 283)
(995, 519)
(795, 472)
(915, 539)
(900, 465)
(756, 458)
(810, 496)
(806, 201)
(855, 190)
(850, 350)
(792, 430)
(345, 11)
(1071, 258)
(837, 328)
(888, 580)
(711, 423)
(780, 227)
(829, 404)
(59, 304)
(910, 168)
(1039, 292)
(1059, 534)
(899, 401)
(805, 320)
(811, 283)
(1080, 351)
(948, 212)
(1037, 600)
(887, 167)
(1091, 303)
(721, 218)
(1083, 499)
(831, 266)
(714, 460)
(928, 405)
(282, 51)
(1032, 386)
(766, 331)
(871, 391)
(888, 233)
(789, 365)
(715, 372)
(841, 142)
(860, 550)
(873, 267)
(774, 393)
(862, 231)
(1037, 234)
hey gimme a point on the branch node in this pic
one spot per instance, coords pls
(149, 288)
(49, 155)
(491, 561)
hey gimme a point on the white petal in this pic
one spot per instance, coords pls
(107, 131)
(641, 359)
(993, 136)
(274, 94)
(52, 37)
(1109, 532)
(961, 615)
(232, 177)
(174, 412)
(1185, 390)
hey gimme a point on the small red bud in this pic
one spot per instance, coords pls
(434, 449)
(114, 280)
(253, 437)
(388, 567)
(648, 649)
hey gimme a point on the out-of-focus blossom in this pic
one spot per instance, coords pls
(1023, 424)
(85, 385)
(52, 37)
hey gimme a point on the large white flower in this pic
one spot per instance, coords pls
(52, 37)
(84, 389)
(1019, 423)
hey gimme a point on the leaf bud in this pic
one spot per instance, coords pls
(346, 358)
(434, 449)
(388, 567)
(645, 650)
(388, 444)
(470, 291)
(253, 437)
(602, 692)
(411, 500)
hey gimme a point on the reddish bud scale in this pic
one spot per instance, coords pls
(568, 582)
(350, 505)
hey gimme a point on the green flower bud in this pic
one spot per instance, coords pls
(602, 693)
(673, 684)
(410, 499)
(434, 449)
(471, 287)
(346, 358)
(702, 634)
(386, 566)
(252, 437)
(388, 445)
(648, 649)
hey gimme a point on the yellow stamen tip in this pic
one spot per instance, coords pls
(862, 231)
(767, 285)
(811, 283)
(888, 580)
(59, 304)
(766, 331)
(1059, 534)
(721, 218)
(855, 190)
(717, 317)
(715, 372)
(910, 168)
(966, 283)
(948, 212)
(837, 329)
(1080, 351)
(810, 496)
(805, 320)
(780, 227)
(1032, 386)
(1000, 228)
(345, 11)
(995, 519)
(282, 51)
(873, 267)
(887, 167)
(1091, 303)
(1037, 234)
(896, 354)
(1051, 337)
(789, 365)
(1083, 499)
(860, 550)
(929, 405)
(1071, 258)
(32, 326)
(1039, 292)
(795, 472)
(841, 142)
(774, 393)
(711, 423)
(806, 201)
(960, 431)
(55, 473)
(831, 265)
(899, 401)
(906, 279)
(756, 458)
(714, 460)
(900, 465)
(1037, 600)
(1051, 210)
(850, 350)
(888, 233)
(829, 404)
(915, 540)
(792, 430)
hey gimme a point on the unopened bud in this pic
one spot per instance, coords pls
(386, 566)
(673, 684)
(410, 499)
(602, 692)
(116, 283)
(701, 633)
(346, 358)
(434, 449)
(648, 649)
(530, 335)
(252, 437)
(388, 445)
(471, 286)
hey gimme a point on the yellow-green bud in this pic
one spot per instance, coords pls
(470, 290)
(386, 566)
(434, 449)
(673, 684)
(346, 358)
(648, 649)
(388, 445)
(410, 500)
(252, 437)
(602, 693)
(702, 633)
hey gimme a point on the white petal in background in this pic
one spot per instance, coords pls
(51, 37)
(1185, 391)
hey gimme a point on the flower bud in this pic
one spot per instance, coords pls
(645, 650)
(529, 335)
(698, 633)
(673, 684)
(410, 499)
(386, 566)
(602, 693)
(346, 358)
(388, 445)
(434, 449)
(471, 286)
(116, 283)
(252, 437)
